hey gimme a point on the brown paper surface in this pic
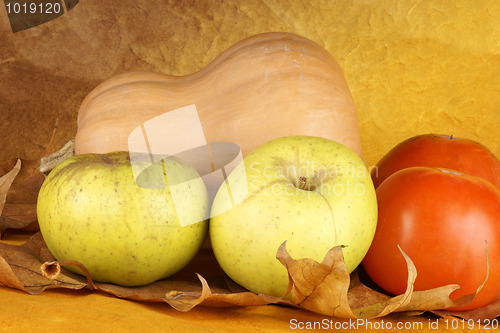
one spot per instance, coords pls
(413, 66)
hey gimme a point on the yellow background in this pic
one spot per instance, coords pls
(413, 66)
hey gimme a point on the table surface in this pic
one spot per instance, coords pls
(84, 310)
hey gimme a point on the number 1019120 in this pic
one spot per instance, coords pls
(33, 8)
(470, 324)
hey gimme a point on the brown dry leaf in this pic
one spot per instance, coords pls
(361, 295)
(484, 313)
(325, 288)
(32, 268)
(20, 268)
(185, 301)
(6, 181)
(181, 295)
(5, 184)
(19, 211)
(153, 292)
(319, 287)
(19, 198)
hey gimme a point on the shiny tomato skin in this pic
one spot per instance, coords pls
(443, 151)
(442, 220)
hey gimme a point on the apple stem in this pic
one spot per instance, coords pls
(52, 269)
(302, 182)
(49, 162)
(451, 137)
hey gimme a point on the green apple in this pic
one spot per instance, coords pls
(311, 192)
(124, 228)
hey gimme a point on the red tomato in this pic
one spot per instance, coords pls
(443, 151)
(441, 219)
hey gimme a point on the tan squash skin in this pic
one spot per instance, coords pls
(264, 87)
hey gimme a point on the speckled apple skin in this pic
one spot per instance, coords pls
(90, 209)
(340, 209)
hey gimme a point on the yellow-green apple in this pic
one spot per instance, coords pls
(124, 229)
(311, 192)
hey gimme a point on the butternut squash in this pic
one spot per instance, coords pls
(264, 87)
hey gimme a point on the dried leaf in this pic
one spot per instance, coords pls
(185, 301)
(360, 295)
(21, 268)
(19, 216)
(5, 183)
(19, 203)
(52, 270)
(19, 211)
(325, 288)
(153, 292)
(32, 268)
(49, 162)
(393, 304)
(319, 287)
(7, 276)
(487, 312)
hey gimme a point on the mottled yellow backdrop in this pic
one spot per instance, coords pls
(413, 66)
